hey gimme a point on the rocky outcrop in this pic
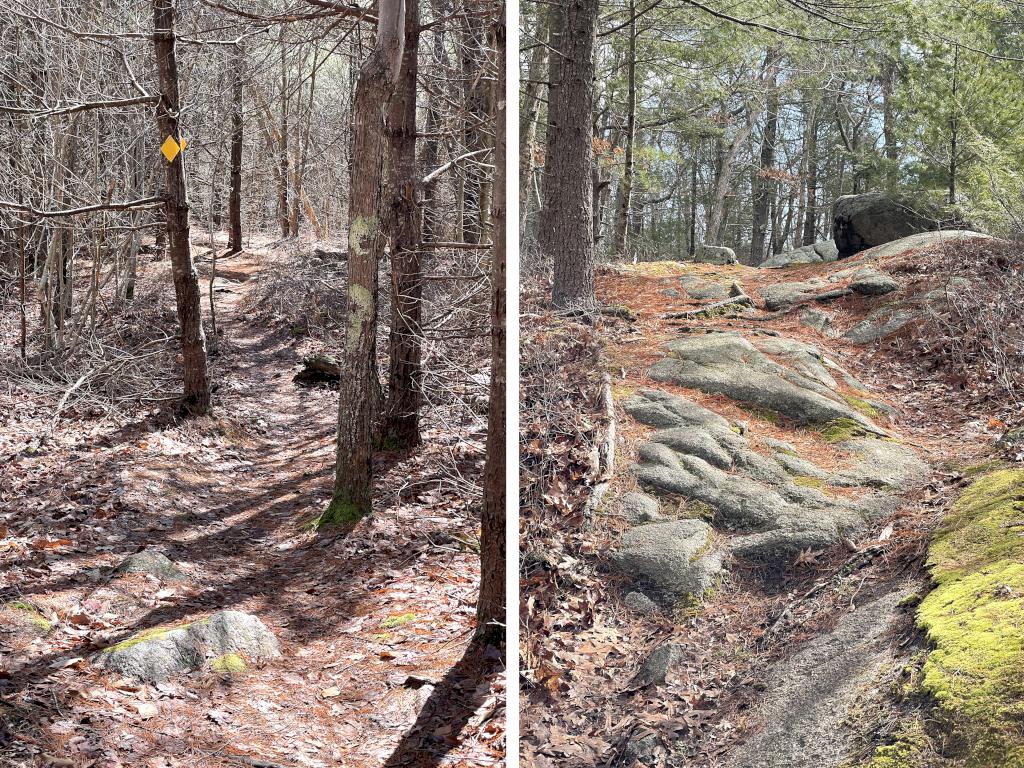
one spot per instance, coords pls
(806, 254)
(714, 254)
(863, 221)
(672, 560)
(218, 642)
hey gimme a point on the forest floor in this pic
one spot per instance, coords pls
(374, 622)
(790, 667)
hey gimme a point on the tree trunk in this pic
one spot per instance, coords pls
(764, 187)
(566, 217)
(625, 198)
(186, 282)
(713, 231)
(400, 425)
(282, 147)
(531, 100)
(235, 195)
(811, 153)
(490, 609)
(353, 481)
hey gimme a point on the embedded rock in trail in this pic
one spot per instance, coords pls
(863, 221)
(670, 558)
(703, 290)
(822, 322)
(871, 282)
(923, 240)
(807, 254)
(728, 364)
(221, 641)
(880, 323)
(715, 254)
(807, 711)
(152, 562)
(696, 455)
(639, 508)
(656, 666)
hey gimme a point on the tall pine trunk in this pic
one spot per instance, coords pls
(764, 187)
(235, 195)
(490, 611)
(400, 425)
(186, 282)
(367, 237)
(567, 215)
(624, 203)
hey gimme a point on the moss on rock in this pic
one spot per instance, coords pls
(228, 664)
(31, 613)
(975, 620)
(862, 406)
(806, 481)
(841, 430)
(910, 742)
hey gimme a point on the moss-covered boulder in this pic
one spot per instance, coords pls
(221, 642)
(975, 620)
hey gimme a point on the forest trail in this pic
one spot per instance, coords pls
(374, 623)
(792, 475)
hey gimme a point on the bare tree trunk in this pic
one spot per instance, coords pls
(764, 187)
(713, 230)
(400, 424)
(282, 147)
(186, 282)
(811, 154)
(625, 197)
(531, 99)
(566, 217)
(691, 247)
(235, 195)
(353, 481)
(490, 609)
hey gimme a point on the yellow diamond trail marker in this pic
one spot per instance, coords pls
(171, 148)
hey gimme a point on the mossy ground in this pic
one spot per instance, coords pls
(974, 618)
(392, 622)
(909, 743)
(806, 481)
(863, 406)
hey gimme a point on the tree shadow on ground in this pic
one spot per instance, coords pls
(450, 707)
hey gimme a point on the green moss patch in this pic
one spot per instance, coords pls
(339, 512)
(393, 622)
(228, 664)
(862, 406)
(840, 430)
(149, 634)
(910, 742)
(31, 613)
(806, 481)
(975, 620)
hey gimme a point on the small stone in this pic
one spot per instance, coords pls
(154, 563)
(670, 557)
(639, 508)
(656, 666)
(640, 604)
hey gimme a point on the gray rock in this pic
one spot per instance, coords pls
(819, 321)
(703, 290)
(670, 557)
(639, 508)
(153, 562)
(870, 282)
(881, 323)
(728, 364)
(656, 666)
(158, 654)
(863, 221)
(645, 750)
(640, 604)
(807, 254)
(785, 295)
(881, 464)
(715, 254)
(921, 241)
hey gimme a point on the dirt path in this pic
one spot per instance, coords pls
(374, 623)
(773, 449)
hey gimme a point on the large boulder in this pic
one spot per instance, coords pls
(674, 559)
(863, 221)
(715, 254)
(805, 254)
(223, 641)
